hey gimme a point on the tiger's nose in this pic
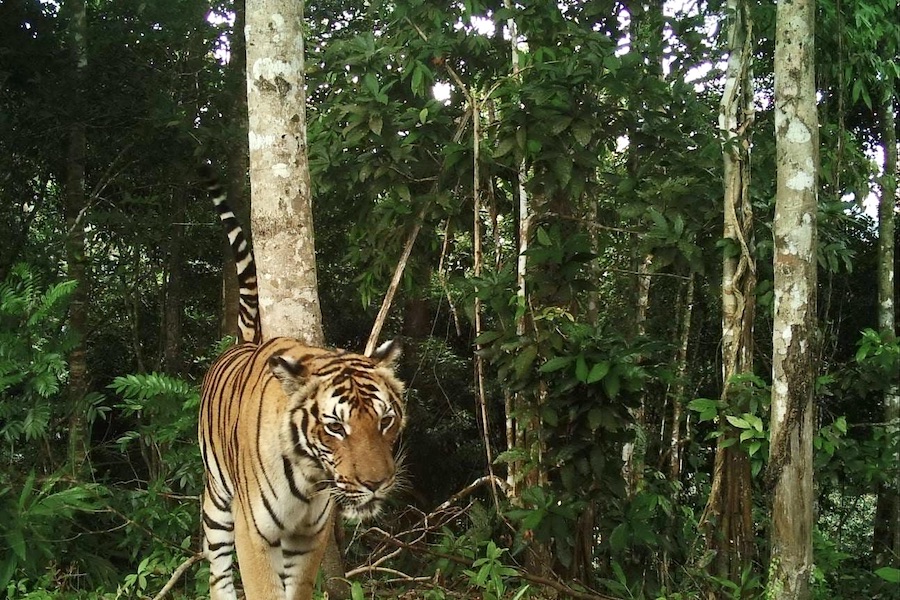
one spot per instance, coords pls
(375, 485)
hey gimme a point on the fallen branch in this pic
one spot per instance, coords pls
(177, 575)
(543, 581)
(469, 489)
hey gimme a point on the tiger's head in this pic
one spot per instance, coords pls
(345, 412)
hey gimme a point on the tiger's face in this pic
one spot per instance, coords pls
(345, 411)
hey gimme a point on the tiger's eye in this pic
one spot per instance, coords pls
(386, 422)
(335, 428)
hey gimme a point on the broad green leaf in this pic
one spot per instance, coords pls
(375, 124)
(583, 133)
(738, 422)
(594, 418)
(889, 574)
(581, 369)
(612, 384)
(543, 237)
(598, 372)
(555, 364)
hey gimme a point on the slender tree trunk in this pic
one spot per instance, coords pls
(75, 206)
(281, 194)
(646, 30)
(281, 210)
(173, 294)
(887, 514)
(238, 165)
(514, 401)
(790, 469)
(678, 395)
(727, 519)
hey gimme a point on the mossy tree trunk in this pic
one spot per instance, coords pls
(727, 519)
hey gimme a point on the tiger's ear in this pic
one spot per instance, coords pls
(289, 371)
(387, 354)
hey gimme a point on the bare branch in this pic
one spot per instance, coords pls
(188, 562)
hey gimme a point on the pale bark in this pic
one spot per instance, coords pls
(887, 515)
(727, 519)
(514, 430)
(281, 208)
(75, 206)
(478, 259)
(281, 192)
(790, 469)
(634, 452)
(678, 394)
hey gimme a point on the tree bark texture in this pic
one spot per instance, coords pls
(281, 193)
(516, 401)
(75, 206)
(172, 360)
(727, 518)
(887, 515)
(794, 326)
(281, 209)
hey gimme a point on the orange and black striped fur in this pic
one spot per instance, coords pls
(287, 432)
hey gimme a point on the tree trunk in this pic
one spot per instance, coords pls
(172, 360)
(281, 210)
(514, 401)
(727, 519)
(237, 168)
(75, 206)
(794, 325)
(887, 514)
(678, 395)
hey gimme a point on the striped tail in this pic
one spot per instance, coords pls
(248, 313)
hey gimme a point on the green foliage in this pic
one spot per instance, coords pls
(490, 574)
(33, 346)
(739, 419)
(36, 518)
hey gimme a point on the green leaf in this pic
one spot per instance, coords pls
(543, 237)
(618, 539)
(375, 124)
(598, 372)
(524, 361)
(612, 384)
(487, 337)
(417, 79)
(738, 422)
(583, 133)
(423, 115)
(505, 145)
(594, 418)
(556, 363)
(549, 416)
(703, 405)
(889, 574)
(581, 369)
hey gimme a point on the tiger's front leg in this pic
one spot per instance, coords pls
(218, 543)
(260, 560)
(302, 556)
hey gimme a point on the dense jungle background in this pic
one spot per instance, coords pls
(561, 442)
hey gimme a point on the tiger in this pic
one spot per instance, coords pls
(288, 433)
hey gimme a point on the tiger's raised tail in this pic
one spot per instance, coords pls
(248, 312)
